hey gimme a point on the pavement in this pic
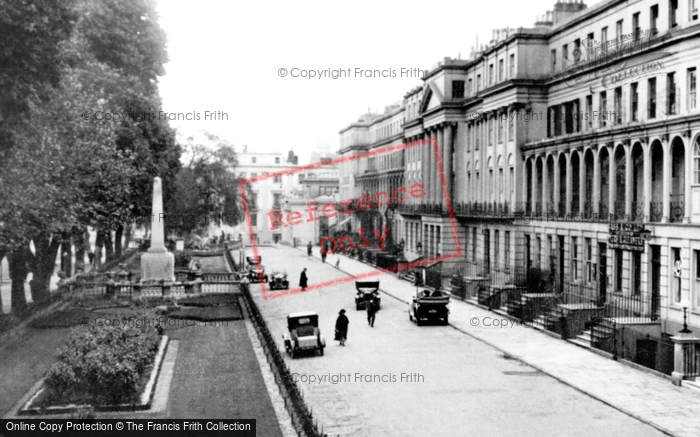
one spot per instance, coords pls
(644, 396)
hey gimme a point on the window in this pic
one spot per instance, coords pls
(474, 243)
(671, 94)
(457, 89)
(491, 122)
(574, 259)
(696, 162)
(604, 39)
(676, 272)
(469, 88)
(466, 242)
(589, 111)
(539, 254)
(577, 50)
(618, 270)
(254, 159)
(564, 55)
(590, 45)
(634, 101)
(692, 10)
(277, 160)
(496, 247)
(500, 128)
(651, 96)
(253, 175)
(696, 275)
(490, 74)
(673, 13)
(636, 30)
(507, 250)
(654, 19)
(618, 33)
(602, 108)
(590, 276)
(692, 89)
(477, 134)
(554, 61)
(254, 218)
(501, 68)
(277, 179)
(636, 273)
(478, 82)
(618, 105)
(511, 67)
(511, 127)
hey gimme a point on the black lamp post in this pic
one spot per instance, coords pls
(685, 304)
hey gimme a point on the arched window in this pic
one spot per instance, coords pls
(696, 162)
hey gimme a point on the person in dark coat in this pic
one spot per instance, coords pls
(308, 249)
(303, 280)
(341, 327)
(371, 311)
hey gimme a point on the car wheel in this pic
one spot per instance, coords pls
(320, 351)
(419, 322)
(291, 353)
(410, 316)
(446, 322)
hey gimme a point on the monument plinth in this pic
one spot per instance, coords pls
(157, 264)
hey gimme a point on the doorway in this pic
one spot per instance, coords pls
(602, 274)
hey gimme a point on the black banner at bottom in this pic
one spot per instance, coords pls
(127, 427)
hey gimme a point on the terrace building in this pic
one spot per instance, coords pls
(570, 149)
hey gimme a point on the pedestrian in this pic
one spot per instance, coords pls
(371, 311)
(337, 264)
(341, 327)
(323, 256)
(303, 280)
(308, 248)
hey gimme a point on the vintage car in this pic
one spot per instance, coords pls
(279, 281)
(304, 334)
(367, 291)
(429, 305)
(256, 271)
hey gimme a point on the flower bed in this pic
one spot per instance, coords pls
(108, 367)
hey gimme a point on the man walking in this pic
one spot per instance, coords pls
(371, 311)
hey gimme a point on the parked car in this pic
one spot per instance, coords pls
(304, 334)
(427, 305)
(256, 271)
(367, 291)
(279, 281)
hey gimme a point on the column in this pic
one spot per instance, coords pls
(611, 181)
(569, 183)
(447, 160)
(557, 185)
(525, 178)
(424, 170)
(595, 198)
(628, 182)
(689, 156)
(440, 166)
(432, 166)
(533, 185)
(545, 187)
(581, 183)
(667, 182)
(647, 181)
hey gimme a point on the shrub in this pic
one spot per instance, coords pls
(103, 364)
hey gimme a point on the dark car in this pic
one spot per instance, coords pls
(256, 271)
(279, 281)
(304, 334)
(367, 291)
(429, 306)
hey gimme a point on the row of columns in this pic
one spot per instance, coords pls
(612, 172)
(436, 149)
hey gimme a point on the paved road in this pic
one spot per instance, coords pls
(467, 387)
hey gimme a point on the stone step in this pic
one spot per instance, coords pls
(579, 342)
(585, 336)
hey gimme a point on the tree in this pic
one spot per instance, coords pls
(205, 189)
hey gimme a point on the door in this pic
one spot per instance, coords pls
(602, 274)
(655, 280)
(528, 256)
(487, 252)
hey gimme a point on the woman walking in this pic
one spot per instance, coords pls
(341, 327)
(303, 280)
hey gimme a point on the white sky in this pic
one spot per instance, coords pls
(225, 56)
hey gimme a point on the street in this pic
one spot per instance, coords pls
(460, 386)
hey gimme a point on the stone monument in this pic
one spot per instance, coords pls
(157, 264)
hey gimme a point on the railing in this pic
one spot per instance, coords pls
(656, 211)
(299, 413)
(136, 290)
(677, 210)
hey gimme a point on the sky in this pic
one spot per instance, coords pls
(226, 56)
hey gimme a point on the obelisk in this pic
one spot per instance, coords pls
(157, 264)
